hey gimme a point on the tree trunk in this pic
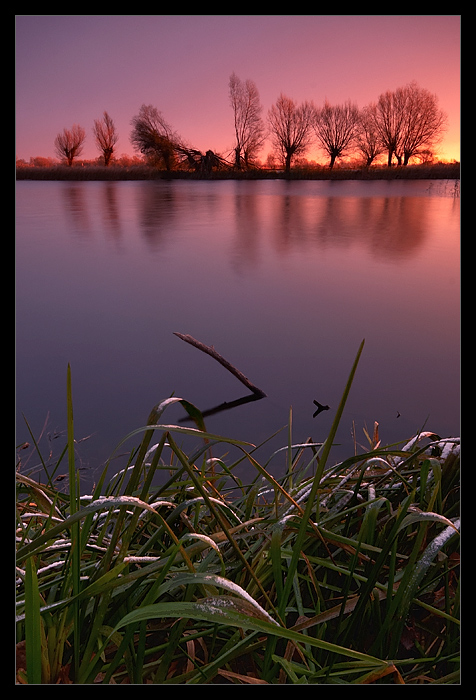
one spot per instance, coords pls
(237, 158)
(287, 168)
(107, 156)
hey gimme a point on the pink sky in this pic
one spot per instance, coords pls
(70, 69)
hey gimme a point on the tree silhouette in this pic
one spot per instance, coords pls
(69, 144)
(249, 126)
(336, 128)
(367, 139)
(152, 136)
(290, 127)
(106, 137)
(408, 121)
(423, 124)
(388, 121)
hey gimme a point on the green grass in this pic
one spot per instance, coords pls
(174, 571)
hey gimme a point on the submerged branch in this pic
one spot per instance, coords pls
(210, 350)
(225, 406)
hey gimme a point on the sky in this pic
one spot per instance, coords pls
(72, 68)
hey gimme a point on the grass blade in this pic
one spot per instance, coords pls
(32, 624)
(75, 530)
(311, 501)
(230, 611)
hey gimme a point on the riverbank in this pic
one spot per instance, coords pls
(331, 574)
(440, 171)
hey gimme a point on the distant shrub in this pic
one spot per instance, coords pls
(126, 168)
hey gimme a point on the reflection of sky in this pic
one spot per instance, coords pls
(70, 69)
(285, 286)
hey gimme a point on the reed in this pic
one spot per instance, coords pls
(175, 571)
(93, 172)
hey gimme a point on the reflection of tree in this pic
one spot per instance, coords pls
(398, 226)
(389, 227)
(76, 207)
(291, 228)
(165, 206)
(111, 214)
(156, 209)
(246, 242)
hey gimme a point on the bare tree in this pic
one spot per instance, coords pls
(423, 122)
(367, 140)
(389, 120)
(291, 128)
(203, 163)
(69, 144)
(408, 121)
(106, 137)
(249, 126)
(336, 128)
(152, 136)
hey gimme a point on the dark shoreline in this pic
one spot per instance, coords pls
(443, 171)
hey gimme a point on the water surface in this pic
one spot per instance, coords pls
(285, 279)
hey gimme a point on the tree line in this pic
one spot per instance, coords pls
(402, 124)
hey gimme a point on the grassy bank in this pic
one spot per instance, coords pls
(439, 171)
(176, 572)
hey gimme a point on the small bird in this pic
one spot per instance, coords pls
(320, 408)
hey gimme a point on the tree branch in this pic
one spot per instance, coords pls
(210, 350)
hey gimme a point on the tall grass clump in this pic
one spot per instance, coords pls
(344, 573)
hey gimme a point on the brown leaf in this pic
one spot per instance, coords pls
(381, 672)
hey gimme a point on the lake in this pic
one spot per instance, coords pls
(284, 279)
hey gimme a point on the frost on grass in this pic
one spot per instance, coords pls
(221, 605)
(243, 603)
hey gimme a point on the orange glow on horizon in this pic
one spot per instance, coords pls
(73, 82)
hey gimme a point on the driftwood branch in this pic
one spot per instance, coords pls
(210, 350)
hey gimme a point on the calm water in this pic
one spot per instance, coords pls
(284, 278)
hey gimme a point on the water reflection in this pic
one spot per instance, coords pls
(111, 213)
(225, 406)
(389, 227)
(156, 210)
(75, 206)
(286, 277)
(245, 247)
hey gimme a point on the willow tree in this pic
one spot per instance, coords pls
(336, 128)
(105, 136)
(423, 124)
(154, 137)
(409, 121)
(69, 144)
(367, 139)
(290, 128)
(249, 125)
